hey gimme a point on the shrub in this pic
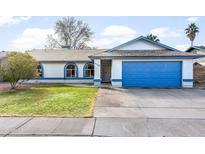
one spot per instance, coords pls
(18, 68)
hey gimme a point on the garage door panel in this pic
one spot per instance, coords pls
(151, 74)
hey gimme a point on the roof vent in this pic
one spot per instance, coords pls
(65, 47)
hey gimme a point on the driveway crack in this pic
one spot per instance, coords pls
(94, 126)
(57, 126)
(19, 126)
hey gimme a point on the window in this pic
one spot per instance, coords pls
(89, 70)
(40, 70)
(70, 71)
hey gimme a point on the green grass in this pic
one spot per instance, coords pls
(58, 100)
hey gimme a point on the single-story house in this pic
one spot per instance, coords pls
(197, 50)
(137, 63)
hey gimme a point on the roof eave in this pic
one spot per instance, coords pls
(57, 61)
(147, 57)
(190, 48)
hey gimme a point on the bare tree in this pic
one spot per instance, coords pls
(51, 42)
(71, 32)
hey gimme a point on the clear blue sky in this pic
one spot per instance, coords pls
(22, 33)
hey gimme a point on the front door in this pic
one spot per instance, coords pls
(106, 71)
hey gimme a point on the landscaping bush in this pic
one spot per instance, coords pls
(18, 67)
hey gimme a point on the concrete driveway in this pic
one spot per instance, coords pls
(123, 112)
(150, 112)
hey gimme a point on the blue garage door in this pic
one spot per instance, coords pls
(151, 74)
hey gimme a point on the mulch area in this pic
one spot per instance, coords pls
(5, 87)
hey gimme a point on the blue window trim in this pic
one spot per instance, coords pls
(84, 70)
(76, 72)
(54, 78)
(116, 80)
(187, 80)
(42, 70)
(145, 39)
(97, 80)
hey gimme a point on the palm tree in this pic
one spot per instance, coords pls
(153, 37)
(191, 32)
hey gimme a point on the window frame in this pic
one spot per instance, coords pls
(90, 70)
(42, 70)
(75, 69)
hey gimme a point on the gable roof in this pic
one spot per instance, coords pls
(62, 55)
(145, 54)
(145, 39)
(202, 48)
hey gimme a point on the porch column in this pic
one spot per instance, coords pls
(116, 73)
(187, 73)
(97, 74)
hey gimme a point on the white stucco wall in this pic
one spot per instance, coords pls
(187, 73)
(140, 45)
(80, 69)
(55, 71)
(187, 70)
(116, 73)
(97, 77)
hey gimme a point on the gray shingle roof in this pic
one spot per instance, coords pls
(202, 48)
(62, 54)
(85, 55)
(144, 53)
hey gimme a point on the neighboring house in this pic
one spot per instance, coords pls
(138, 63)
(3, 56)
(198, 50)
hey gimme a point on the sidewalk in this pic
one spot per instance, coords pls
(101, 127)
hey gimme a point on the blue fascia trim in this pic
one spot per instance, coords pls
(50, 78)
(116, 80)
(153, 57)
(97, 80)
(76, 67)
(145, 39)
(187, 80)
(84, 69)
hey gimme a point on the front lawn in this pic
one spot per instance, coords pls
(58, 100)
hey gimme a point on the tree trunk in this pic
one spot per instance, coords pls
(13, 85)
(192, 43)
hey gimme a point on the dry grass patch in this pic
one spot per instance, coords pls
(58, 100)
